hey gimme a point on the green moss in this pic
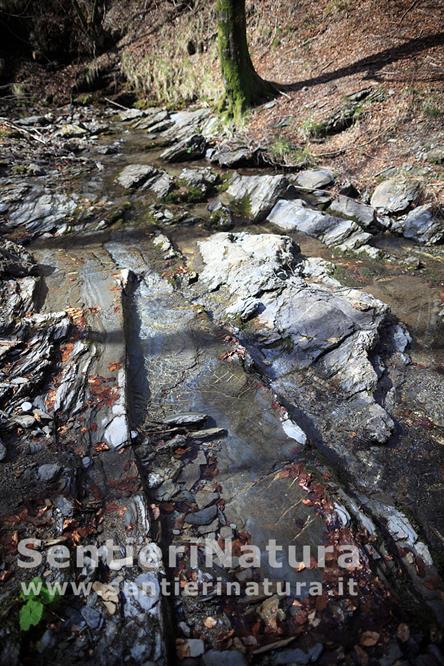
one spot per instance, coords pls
(241, 207)
(84, 99)
(284, 152)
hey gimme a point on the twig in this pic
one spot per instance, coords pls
(120, 106)
(27, 133)
(412, 6)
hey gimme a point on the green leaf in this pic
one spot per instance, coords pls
(30, 614)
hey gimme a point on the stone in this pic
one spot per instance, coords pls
(257, 194)
(423, 226)
(333, 231)
(25, 421)
(194, 647)
(92, 617)
(3, 451)
(361, 213)
(395, 195)
(235, 155)
(225, 657)
(72, 130)
(204, 498)
(314, 179)
(293, 431)
(49, 472)
(15, 261)
(202, 517)
(191, 148)
(185, 419)
(291, 656)
(301, 324)
(26, 407)
(135, 175)
(209, 433)
(116, 433)
(436, 155)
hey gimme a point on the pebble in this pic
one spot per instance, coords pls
(48, 472)
(26, 407)
(3, 451)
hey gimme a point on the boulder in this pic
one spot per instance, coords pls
(134, 175)
(361, 213)
(191, 148)
(235, 155)
(257, 194)
(333, 231)
(300, 323)
(314, 179)
(395, 195)
(423, 226)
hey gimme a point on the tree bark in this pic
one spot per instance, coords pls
(244, 87)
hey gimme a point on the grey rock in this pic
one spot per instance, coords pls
(315, 179)
(436, 155)
(3, 451)
(203, 178)
(49, 472)
(26, 407)
(259, 193)
(235, 155)
(291, 656)
(361, 213)
(203, 517)
(205, 498)
(315, 652)
(321, 324)
(195, 647)
(192, 148)
(185, 419)
(134, 175)
(189, 475)
(333, 231)
(423, 226)
(225, 657)
(15, 261)
(25, 421)
(37, 209)
(395, 195)
(92, 617)
(209, 433)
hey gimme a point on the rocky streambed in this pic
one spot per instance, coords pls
(196, 347)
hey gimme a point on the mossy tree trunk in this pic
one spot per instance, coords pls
(244, 87)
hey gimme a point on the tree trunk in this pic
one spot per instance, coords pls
(244, 88)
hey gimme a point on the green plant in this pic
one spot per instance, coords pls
(310, 129)
(37, 597)
(241, 207)
(431, 108)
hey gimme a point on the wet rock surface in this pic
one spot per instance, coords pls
(165, 384)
